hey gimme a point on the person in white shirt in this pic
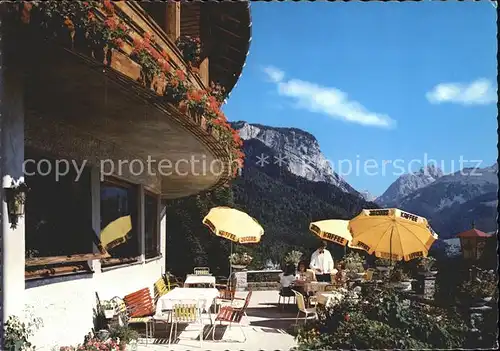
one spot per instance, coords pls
(286, 280)
(322, 263)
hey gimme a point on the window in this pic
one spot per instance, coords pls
(58, 220)
(119, 203)
(151, 227)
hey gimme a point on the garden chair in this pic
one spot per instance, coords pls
(186, 312)
(223, 283)
(226, 297)
(231, 315)
(160, 289)
(286, 294)
(140, 309)
(201, 271)
(369, 274)
(173, 281)
(236, 302)
(301, 305)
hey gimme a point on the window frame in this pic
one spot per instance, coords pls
(55, 266)
(110, 262)
(157, 234)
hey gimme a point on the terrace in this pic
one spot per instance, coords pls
(266, 324)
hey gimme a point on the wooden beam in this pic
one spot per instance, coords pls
(173, 20)
(41, 261)
(204, 75)
(47, 272)
(227, 32)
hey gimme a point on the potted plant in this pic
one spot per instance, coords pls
(383, 264)
(240, 261)
(190, 47)
(17, 333)
(354, 265)
(400, 280)
(426, 265)
(109, 308)
(125, 336)
(293, 257)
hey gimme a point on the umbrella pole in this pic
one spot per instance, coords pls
(390, 247)
(230, 265)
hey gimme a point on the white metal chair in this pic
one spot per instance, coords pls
(301, 305)
(201, 271)
(186, 312)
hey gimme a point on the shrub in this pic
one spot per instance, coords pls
(17, 333)
(123, 335)
(383, 320)
(293, 257)
(354, 263)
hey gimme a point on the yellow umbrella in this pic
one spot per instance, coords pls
(234, 225)
(392, 234)
(334, 230)
(115, 233)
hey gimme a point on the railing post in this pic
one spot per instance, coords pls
(173, 20)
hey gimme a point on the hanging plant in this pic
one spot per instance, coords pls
(111, 32)
(190, 47)
(176, 89)
(197, 101)
(218, 92)
(148, 57)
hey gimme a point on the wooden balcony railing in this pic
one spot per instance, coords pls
(77, 27)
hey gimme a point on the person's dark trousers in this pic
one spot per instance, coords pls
(323, 277)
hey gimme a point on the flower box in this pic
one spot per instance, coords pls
(123, 64)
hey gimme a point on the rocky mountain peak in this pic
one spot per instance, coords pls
(298, 150)
(407, 184)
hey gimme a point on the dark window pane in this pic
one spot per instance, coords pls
(151, 226)
(119, 201)
(58, 211)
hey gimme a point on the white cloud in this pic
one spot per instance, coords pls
(325, 100)
(274, 74)
(479, 92)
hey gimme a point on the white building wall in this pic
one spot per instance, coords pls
(66, 303)
(12, 156)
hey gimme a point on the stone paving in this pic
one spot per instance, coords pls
(266, 328)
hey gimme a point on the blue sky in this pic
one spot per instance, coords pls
(381, 81)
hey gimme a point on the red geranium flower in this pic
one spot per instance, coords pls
(347, 318)
(91, 16)
(180, 74)
(108, 5)
(111, 23)
(165, 66)
(119, 42)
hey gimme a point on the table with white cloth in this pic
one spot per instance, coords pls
(193, 279)
(314, 286)
(204, 296)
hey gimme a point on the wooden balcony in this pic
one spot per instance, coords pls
(98, 100)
